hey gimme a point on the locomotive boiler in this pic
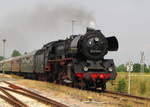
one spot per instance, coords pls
(77, 60)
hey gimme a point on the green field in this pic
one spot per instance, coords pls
(140, 85)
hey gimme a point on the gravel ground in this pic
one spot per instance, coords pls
(30, 102)
(80, 98)
(43, 89)
(52, 94)
(4, 103)
(66, 95)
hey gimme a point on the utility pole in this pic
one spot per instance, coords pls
(73, 23)
(142, 61)
(4, 41)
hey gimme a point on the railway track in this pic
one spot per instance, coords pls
(120, 98)
(25, 92)
(127, 95)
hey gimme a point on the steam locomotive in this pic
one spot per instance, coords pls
(77, 60)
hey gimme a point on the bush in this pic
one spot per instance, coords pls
(143, 87)
(1, 58)
(121, 68)
(15, 53)
(121, 87)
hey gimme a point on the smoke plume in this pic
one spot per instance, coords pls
(29, 29)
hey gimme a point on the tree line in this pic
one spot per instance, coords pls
(14, 54)
(136, 68)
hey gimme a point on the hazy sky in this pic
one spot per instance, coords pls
(28, 24)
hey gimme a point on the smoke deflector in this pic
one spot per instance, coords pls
(112, 43)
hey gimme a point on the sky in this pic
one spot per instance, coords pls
(28, 24)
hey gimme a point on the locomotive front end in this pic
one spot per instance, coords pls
(96, 73)
(93, 69)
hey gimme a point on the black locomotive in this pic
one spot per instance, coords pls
(77, 60)
(81, 58)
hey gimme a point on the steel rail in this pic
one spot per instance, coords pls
(33, 95)
(13, 98)
(127, 95)
(48, 102)
(10, 101)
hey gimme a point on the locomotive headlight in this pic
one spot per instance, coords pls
(96, 39)
(90, 42)
(85, 68)
(110, 69)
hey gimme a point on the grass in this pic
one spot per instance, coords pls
(140, 85)
(10, 76)
(16, 77)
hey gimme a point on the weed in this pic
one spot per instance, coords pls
(121, 86)
(143, 87)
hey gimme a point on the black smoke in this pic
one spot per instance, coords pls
(27, 30)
